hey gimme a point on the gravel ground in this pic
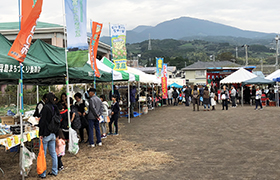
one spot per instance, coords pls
(240, 143)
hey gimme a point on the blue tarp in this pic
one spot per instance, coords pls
(175, 85)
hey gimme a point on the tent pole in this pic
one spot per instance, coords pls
(37, 87)
(147, 95)
(139, 97)
(102, 91)
(277, 94)
(18, 104)
(241, 95)
(128, 101)
(154, 106)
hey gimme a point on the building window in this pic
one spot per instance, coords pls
(200, 73)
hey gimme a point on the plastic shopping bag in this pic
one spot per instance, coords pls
(41, 159)
(73, 141)
(27, 161)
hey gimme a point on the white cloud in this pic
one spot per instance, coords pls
(256, 15)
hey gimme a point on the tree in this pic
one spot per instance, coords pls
(225, 56)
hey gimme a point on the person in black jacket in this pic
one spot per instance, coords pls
(80, 104)
(45, 134)
(40, 106)
(115, 115)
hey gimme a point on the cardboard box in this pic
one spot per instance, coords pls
(9, 120)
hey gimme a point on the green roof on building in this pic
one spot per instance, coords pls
(15, 25)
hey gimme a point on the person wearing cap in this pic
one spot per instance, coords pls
(95, 111)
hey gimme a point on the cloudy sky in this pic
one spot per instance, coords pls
(255, 15)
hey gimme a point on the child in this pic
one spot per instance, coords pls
(60, 149)
(105, 115)
(115, 115)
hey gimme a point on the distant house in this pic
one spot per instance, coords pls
(199, 72)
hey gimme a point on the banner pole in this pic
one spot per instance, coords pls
(66, 64)
(21, 103)
(112, 66)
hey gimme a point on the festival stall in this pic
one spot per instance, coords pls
(238, 77)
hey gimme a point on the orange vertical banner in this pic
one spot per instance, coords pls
(23, 40)
(94, 40)
(26, 7)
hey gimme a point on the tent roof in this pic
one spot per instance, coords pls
(175, 85)
(56, 55)
(126, 75)
(15, 25)
(33, 68)
(258, 80)
(44, 65)
(273, 75)
(238, 76)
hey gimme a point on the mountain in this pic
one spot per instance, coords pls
(189, 28)
(140, 29)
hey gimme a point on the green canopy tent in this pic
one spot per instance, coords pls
(56, 55)
(132, 77)
(33, 69)
(128, 76)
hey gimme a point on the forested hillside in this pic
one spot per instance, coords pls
(181, 53)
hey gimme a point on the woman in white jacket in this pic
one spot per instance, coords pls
(212, 96)
(105, 115)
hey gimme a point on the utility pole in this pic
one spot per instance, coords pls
(276, 63)
(246, 53)
(236, 52)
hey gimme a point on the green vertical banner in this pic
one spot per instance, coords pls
(118, 41)
(77, 45)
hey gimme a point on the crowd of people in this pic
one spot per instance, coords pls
(207, 96)
(92, 113)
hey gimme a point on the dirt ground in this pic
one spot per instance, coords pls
(175, 142)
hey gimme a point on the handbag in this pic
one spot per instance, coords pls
(108, 119)
(223, 97)
(84, 121)
(201, 98)
(215, 98)
(41, 160)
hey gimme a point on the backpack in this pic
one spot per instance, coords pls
(195, 93)
(54, 125)
(174, 94)
(76, 124)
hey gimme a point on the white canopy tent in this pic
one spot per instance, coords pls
(116, 75)
(238, 76)
(273, 75)
(143, 77)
